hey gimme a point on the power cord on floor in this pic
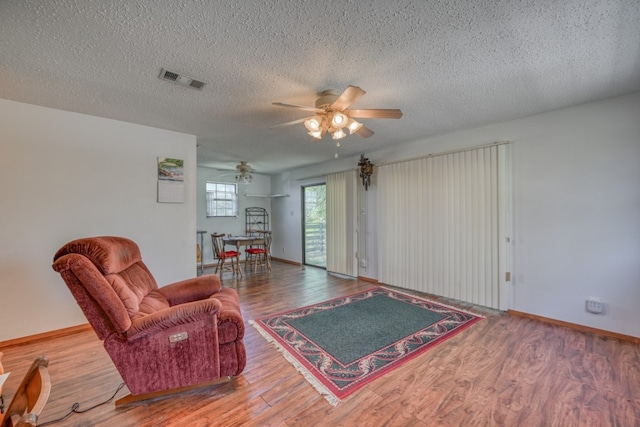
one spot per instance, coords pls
(75, 410)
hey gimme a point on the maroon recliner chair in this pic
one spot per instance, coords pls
(182, 335)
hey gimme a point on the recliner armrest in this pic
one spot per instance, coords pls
(173, 316)
(194, 289)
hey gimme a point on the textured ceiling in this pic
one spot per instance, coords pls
(447, 64)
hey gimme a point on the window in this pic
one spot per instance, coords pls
(222, 199)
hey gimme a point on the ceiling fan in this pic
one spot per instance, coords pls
(333, 116)
(243, 173)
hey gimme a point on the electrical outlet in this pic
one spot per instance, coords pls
(594, 305)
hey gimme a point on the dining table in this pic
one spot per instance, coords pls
(240, 241)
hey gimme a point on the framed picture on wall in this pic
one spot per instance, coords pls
(170, 180)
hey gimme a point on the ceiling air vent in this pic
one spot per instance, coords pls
(180, 79)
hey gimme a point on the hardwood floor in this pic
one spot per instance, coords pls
(503, 371)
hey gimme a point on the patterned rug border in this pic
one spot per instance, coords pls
(317, 383)
(452, 307)
(311, 379)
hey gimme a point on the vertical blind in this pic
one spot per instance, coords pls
(341, 227)
(440, 221)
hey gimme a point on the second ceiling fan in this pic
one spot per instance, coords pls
(333, 116)
(243, 173)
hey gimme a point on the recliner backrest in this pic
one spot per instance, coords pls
(107, 277)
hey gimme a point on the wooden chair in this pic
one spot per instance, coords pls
(223, 256)
(260, 256)
(31, 396)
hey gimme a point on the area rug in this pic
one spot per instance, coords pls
(342, 344)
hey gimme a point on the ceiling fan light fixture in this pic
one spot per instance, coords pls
(244, 173)
(332, 114)
(338, 134)
(314, 123)
(339, 120)
(353, 126)
(317, 134)
(245, 179)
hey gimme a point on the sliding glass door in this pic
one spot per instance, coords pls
(314, 199)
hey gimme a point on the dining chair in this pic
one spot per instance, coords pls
(259, 255)
(222, 255)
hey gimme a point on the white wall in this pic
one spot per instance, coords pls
(261, 185)
(576, 192)
(64, 176)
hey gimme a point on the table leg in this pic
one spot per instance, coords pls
(238, 269)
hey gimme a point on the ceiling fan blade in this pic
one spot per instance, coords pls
(348, 97)
(300, 107)
(294, 122)
(364, 132)
(379, 113)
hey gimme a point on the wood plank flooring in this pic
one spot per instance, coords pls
(503, 371)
